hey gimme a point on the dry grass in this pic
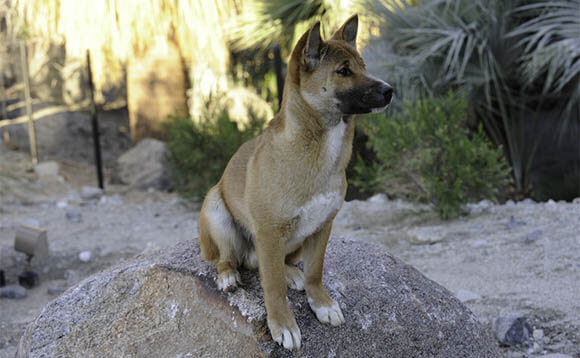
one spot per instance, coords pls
(113, 30)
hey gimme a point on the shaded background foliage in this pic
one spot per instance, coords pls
(426, 153)
(518, 63)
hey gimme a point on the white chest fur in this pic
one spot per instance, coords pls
(334, 143)
(314, 213)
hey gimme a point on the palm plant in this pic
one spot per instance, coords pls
(517, 61)
(550, 39)
(282, 22)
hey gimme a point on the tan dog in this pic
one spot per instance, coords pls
(281, 191)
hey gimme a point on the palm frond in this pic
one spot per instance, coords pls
(551, 42)
(282, 22)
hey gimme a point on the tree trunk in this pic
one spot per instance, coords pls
(156, 88)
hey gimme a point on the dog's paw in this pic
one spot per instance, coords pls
(294, 278)
(330, 314)
(228, 281)
(287, 336)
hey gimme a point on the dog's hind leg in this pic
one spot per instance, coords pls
(220, 240)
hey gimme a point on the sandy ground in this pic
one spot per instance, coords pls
(522, 257)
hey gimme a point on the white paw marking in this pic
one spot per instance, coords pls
(328, 314)
(289, 338)
(228, 281)
(294, 278)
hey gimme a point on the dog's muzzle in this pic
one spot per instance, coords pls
(367, 99)
(386, 92)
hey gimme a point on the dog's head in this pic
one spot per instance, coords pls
(331, 75)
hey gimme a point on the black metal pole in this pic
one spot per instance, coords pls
(3, 96)
(95, 124)
(278, 69)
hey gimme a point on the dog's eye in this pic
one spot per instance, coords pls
(345, 71)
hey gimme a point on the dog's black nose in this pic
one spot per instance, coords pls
(386, 91)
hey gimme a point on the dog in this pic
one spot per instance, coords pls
(280, 192)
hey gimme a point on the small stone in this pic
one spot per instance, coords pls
(476, 208)
(378, 199)
(28, 279)
(576, 200)
(111, 200)
(550, 203)
(515, 355)
(47, 170)
(526, 201)
(73, 216)
(512, 223)
(31, 222)
(85, 256)
(467, 296)
(55, 291)
(532, 236)
(479, 243)
(426, 235)
(61, 204)
(13, 291)
(116, 200)
(72, 277)
(538, 335)
(512, 329)
(90, 192)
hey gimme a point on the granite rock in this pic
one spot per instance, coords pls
(167, 304)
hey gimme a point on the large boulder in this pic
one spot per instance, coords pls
(167, 305)
(144, 166)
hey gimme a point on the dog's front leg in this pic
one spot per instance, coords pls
(270, 248)
(326, 309)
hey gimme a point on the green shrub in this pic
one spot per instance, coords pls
(426, 153)
(200, 150)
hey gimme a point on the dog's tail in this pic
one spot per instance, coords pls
(209, 249)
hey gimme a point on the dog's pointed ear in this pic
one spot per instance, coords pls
(348, 31)
(312, 52)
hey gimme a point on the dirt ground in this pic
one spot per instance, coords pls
(500, 259)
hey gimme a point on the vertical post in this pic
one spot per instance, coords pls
(95, 124)
(28, 99)
(3, 95)
(278, 70)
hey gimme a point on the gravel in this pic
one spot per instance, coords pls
(517, 257)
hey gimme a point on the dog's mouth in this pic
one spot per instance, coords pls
(372, 99)
(381, 109)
